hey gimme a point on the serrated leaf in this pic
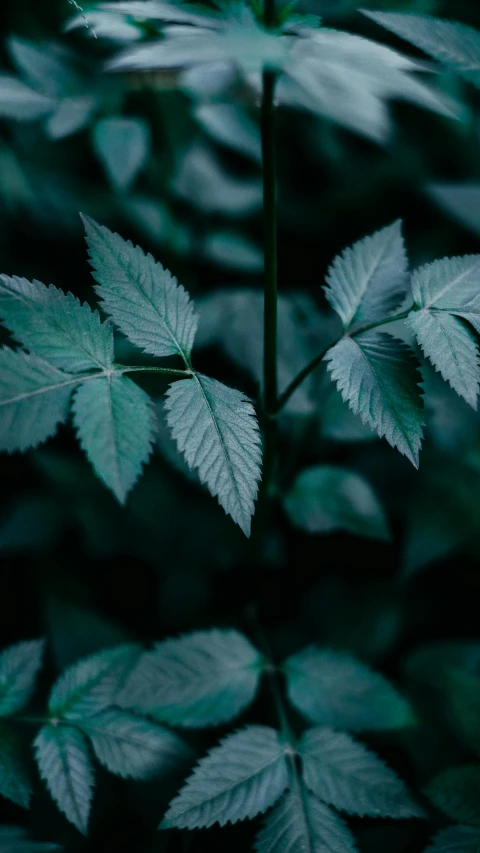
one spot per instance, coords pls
(378, 377)
(456, 792)
(451, 347)
(456, 839)
(55, 325)
(19, 666)
(62, 756)
(326, 498)
(34, 399)
(454, 44)
(92, 684)
(143, 299)
(239, 779)
(14, 777)
(122, 145)
(368, 281)
(201, 679)
(450, 284)
(345, 774)
(300, 823)
(131, 747)
(20, 102)
(216, 429)
(334, 689)
(115, 423)
(14, 839)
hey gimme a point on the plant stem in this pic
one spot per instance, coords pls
(121, 368)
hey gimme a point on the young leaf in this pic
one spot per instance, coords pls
(456, 839)
(454, 44)
(324, 499)
(14, 839)
(14, 777)
(19, 666)
(368, 281)
(378, 377)
(64, 764)
(34, 399)
(300, 823)
(92, 684)
(55, 325)
(143, 298)
(456, 792)
(216, 430)
(450, 284)
(333, 689)
(201, 679)
(346, 775)
(131, 747)
(451, 347)
(115, 425)
(122, 145)
(239, 779)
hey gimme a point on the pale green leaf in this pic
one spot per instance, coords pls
(216, 429)
(115, 27)
(239, 779)
(34, 399)
(19, 667)
(131, 747)
(451, 347)
(43, 66)
(115, 423)
(300, 823)
(378, 377)
(368, 281)
(143, 299)
(200, 679)
(231, 126)
(460, 199)
(450, 284)
(14, 839)
(71, 115)
(157, 10)
(122, 145)
(456, 839)
(21, 103)
(14, 776)
(454, 44)
(325, 498)
(92, 684)
(345, 774)
(334, 689)
(64, 763)
(55, 325)
(456, 792)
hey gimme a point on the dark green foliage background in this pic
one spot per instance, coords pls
(87, 573)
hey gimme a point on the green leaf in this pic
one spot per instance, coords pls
(19, 667)
(122, 145)
(34, 399)
(456, 839)
(157, 10)
(231, 126)
(43, 66)
(201, 679)
(131, 747)
(378, 377)
(456, 45)
(463, 691)
(325, 498)
(55, 325)
(92, 684)
(334, 689)
(20, 102)
(460, 200)
(450, 284)
(14, 839)
(456, 792)
(65, 767)
(300, 823)
(368, 281)
(71, 115)
(14, 776)
(114, 419)
(143, 299)
(451, 347)
(239, 779)
(346, 775)
(216, 430)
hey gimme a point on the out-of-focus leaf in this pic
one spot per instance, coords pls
(14, 839)
(230, 126)
(460, 200)
(20, 102)
(456, 792)
(14, 776)
(202, 182)
(232, 250)
(123, 146)
(71, 115)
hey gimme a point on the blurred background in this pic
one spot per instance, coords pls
(144, 155)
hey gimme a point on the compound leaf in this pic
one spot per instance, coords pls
(64, 764)
(378, 377)
(143, 298)
(216, 430)
(238, 779)
(115, 425)
(14, 777)
(201, 679)
(450, 284)
(456, 792)
(19, 666)
(300, 822)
